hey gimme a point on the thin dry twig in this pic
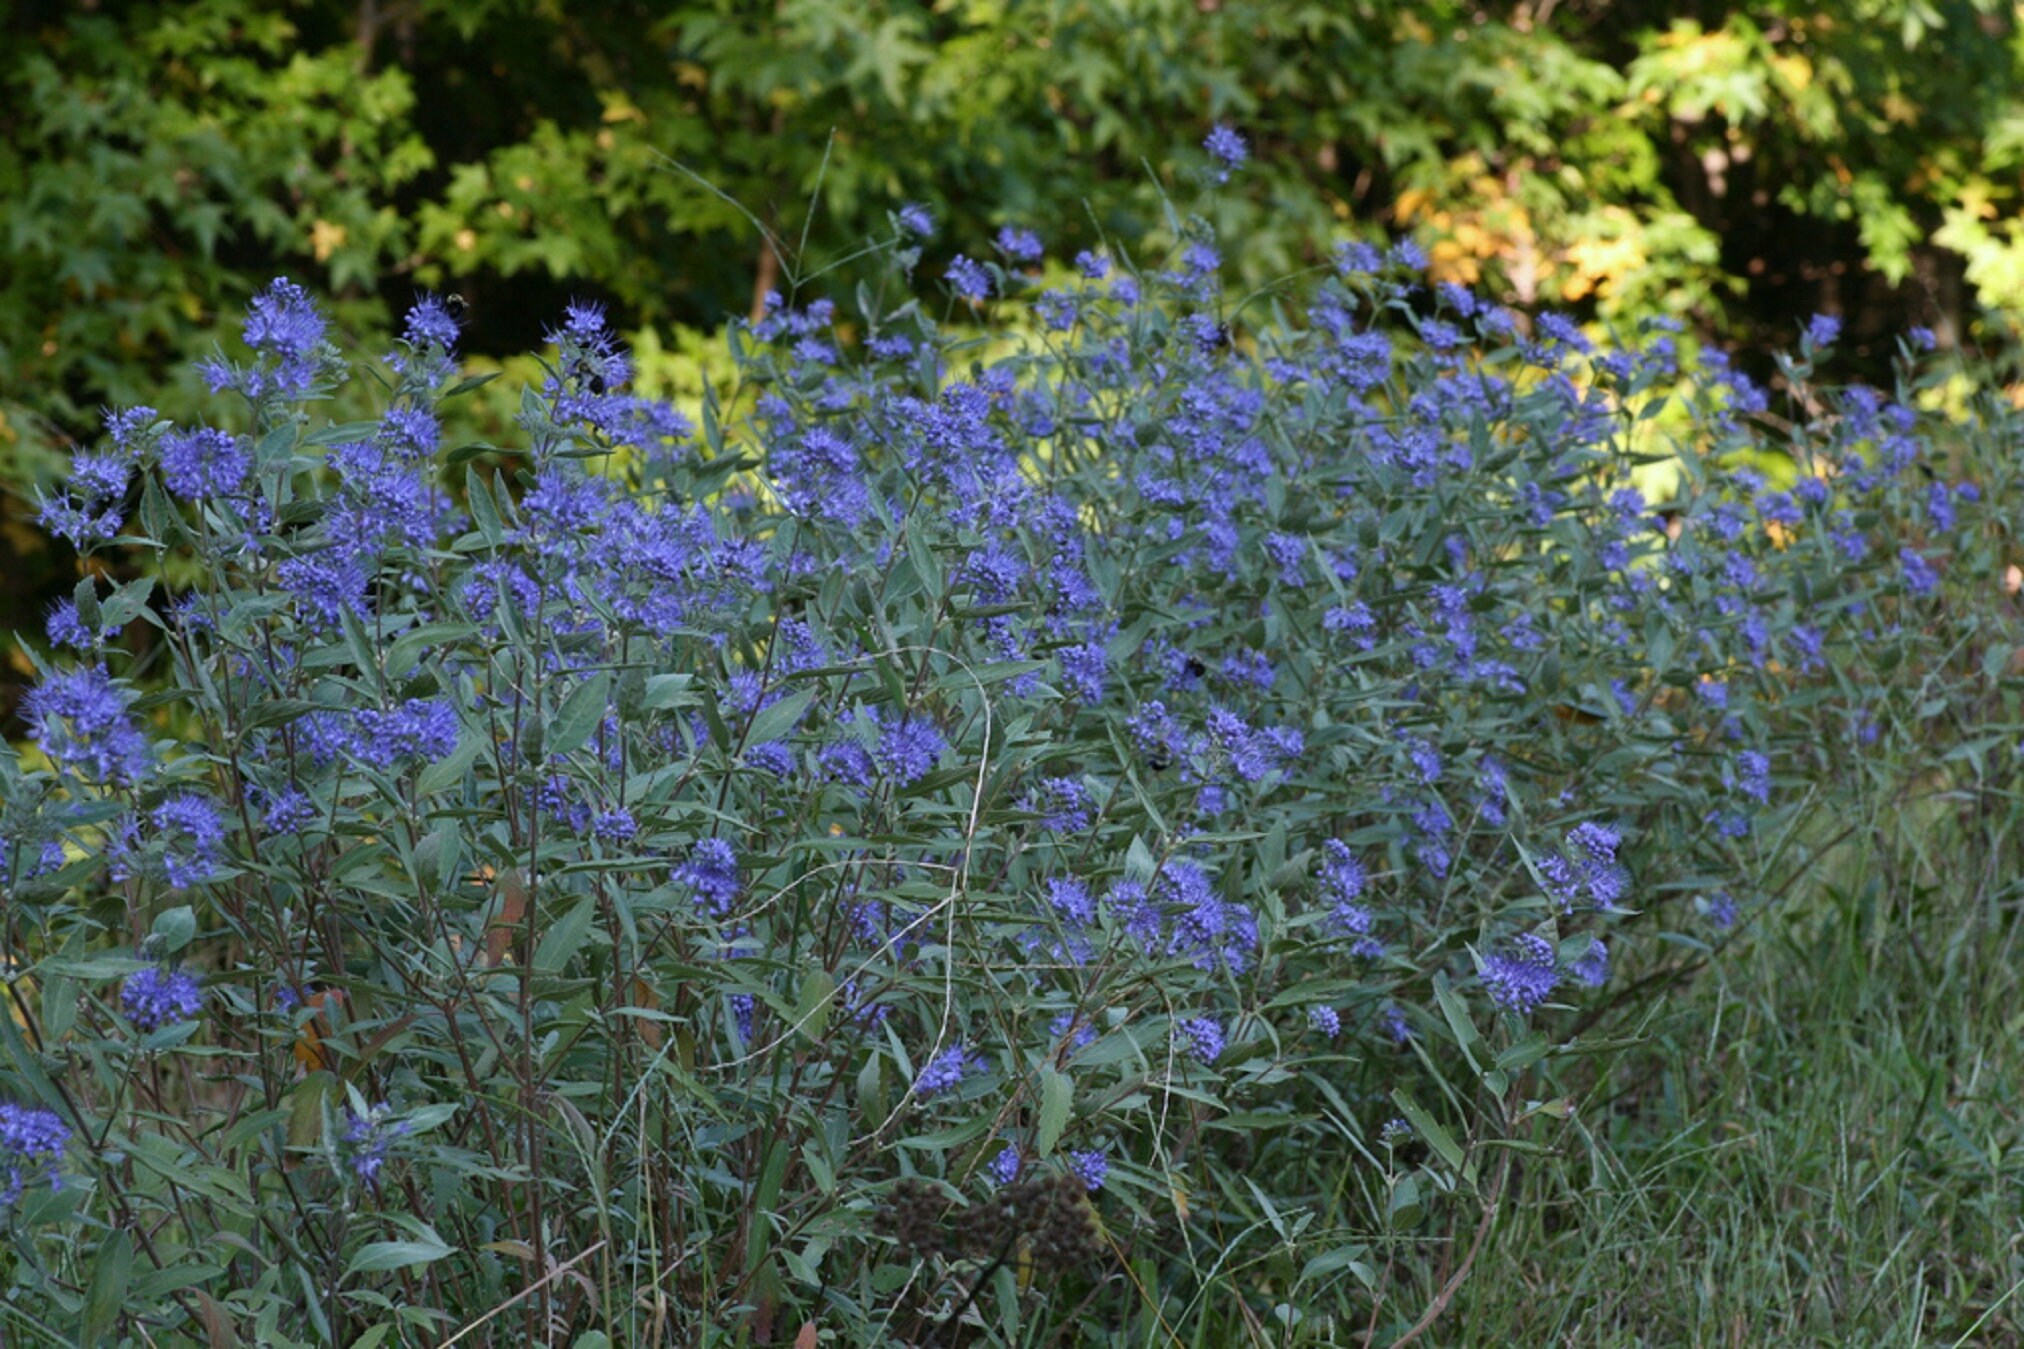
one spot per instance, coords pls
(529, 1291)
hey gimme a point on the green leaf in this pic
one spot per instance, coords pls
(276, 448)
(110, 1275)
(813, 1003)
(479, 495)
(1057, 1097)
(1139, 863)
(92, 967)
(470, 382)
(84, 595)
(996, 672)
(775, 721)
(276, 711)
(377, 1257)
(1456, 1013)
(1429, 1128)
(668, 691)
(305, 1108)
(448, 771)
(922, 554)
(1351, 1258)
(579, 715)
(126, 603)
(174, 929)
(565, 937)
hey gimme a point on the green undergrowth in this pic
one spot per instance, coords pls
(1817, 1142)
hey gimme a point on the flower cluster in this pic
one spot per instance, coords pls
(1523, 975)
(369, 1137)
(31, 1149)
(153, 998)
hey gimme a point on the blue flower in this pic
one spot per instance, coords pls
(1522, 977)
(429, 322)
(1061, 803)
(204, 463)
(1004, 1168)
(969, 279)
(1325, 1019)
(1752, 775)
(1206, 927)
(615, 825)
(195, 836)
(325, 586)
(1409, 256)
(1249, 668)
(946, 1069)
(1202, 1037)
(283, 322)
(1425, 758)
(1721, 909)
(65, 628)
(908, 749)
(368, 1138)
(410, 433)
(1070, 898)
(1020, 245)
(285, 329)
(1919, 576)
(584, 326)
(1083, 669)
(1822, 330)
(1592, 966)
(1091, 1167)
(1227, 148)
(1342, 883)
(845, 761)
(126, 427)
(288, 811)
(153, 998)
(712, 874)
(1561, 329)
(79, 719)
(1072, 1032)
(424, 728)
(1355, 619)
(1353, 257)
(91, 511)
(916, 220)
(1495, 786)
(31, 1140)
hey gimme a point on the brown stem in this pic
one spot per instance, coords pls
(766, 280)
(1448, 1289)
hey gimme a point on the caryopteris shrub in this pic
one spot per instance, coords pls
(1094, 829)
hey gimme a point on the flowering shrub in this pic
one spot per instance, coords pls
(668, 886)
